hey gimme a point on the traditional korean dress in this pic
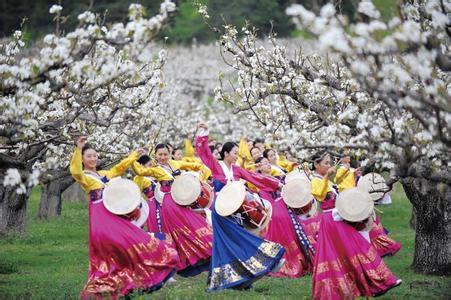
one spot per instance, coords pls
(122, 257)
(189, 231)
(346, 265)
(239, 258)
(324, 191)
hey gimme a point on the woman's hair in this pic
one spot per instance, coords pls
(253, 149)
(266, 152)
(256, 141)
(259, 159)
(144, 159)
(317, 158)
(175, 149)
(227, 147)
(161, 146)
(86, 147)
(212, 148)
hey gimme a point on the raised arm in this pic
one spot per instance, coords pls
(264, 183)
(204, 153)
(155, 172)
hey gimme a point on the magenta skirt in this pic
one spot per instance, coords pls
(381, 241)
(346, 265)
(281, 231)
(122, 257)
(190, 233)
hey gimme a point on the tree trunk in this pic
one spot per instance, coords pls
(74, 193)
(413, 219)
(50, 204)
(432, 203)
(13, 210)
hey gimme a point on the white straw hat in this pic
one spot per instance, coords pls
(372, 182)
(296, 174)
(121, 196)
(185, 189)
(297, 193)
(230, 198)
(354, 204)
(158, 194)
(144, 214)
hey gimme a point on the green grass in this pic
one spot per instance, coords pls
(50, 261)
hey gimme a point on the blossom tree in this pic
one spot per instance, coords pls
(93, 80)
(380, 88)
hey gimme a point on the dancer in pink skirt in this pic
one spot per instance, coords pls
(289, 230)
(282, 230)
(122, 257)
(375, 184)
(190, 233)
(346, 264)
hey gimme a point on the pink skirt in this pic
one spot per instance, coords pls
(281, 230)
(381, 241)
(123, 257)
(311, 227)
(346, 265)
(190, 233)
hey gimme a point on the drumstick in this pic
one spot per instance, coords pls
(378, 210)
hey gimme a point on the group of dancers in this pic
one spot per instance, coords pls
(237, 211)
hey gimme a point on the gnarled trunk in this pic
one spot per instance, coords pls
(13, 210)
(74, 193)
(432, 204)
(50, 204)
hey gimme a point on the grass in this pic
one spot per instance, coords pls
(50, 261)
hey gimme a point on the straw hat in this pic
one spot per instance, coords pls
(158, 194)
(373, 182)
(185, 189)
(256, 231)
(297, 193)
(354, 204)
(230, 198)
(295, 174)
(121, 196)
(144, 214)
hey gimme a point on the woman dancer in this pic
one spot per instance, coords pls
(191, 234)
(122, 257)
(346, 265)
(239, 258)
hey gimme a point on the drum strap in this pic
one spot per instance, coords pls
(158, 216)
(302, 237)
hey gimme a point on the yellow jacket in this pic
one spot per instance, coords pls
(345, 178)
(161, 174)
(320, 187)
(88, 183)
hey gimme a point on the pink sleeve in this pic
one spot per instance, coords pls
(204, 153)
(265, 183)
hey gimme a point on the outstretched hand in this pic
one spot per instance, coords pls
(81, 141)
(202, 125)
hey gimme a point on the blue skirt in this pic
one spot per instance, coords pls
(238, 257)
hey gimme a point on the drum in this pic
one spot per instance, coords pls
(374, 184)
(308, 210)
(234, 201)
(256, 213)
(187, 190)
(205, 199)
(296, 174)
(297, 195)
(365, 225)
(140, 218)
